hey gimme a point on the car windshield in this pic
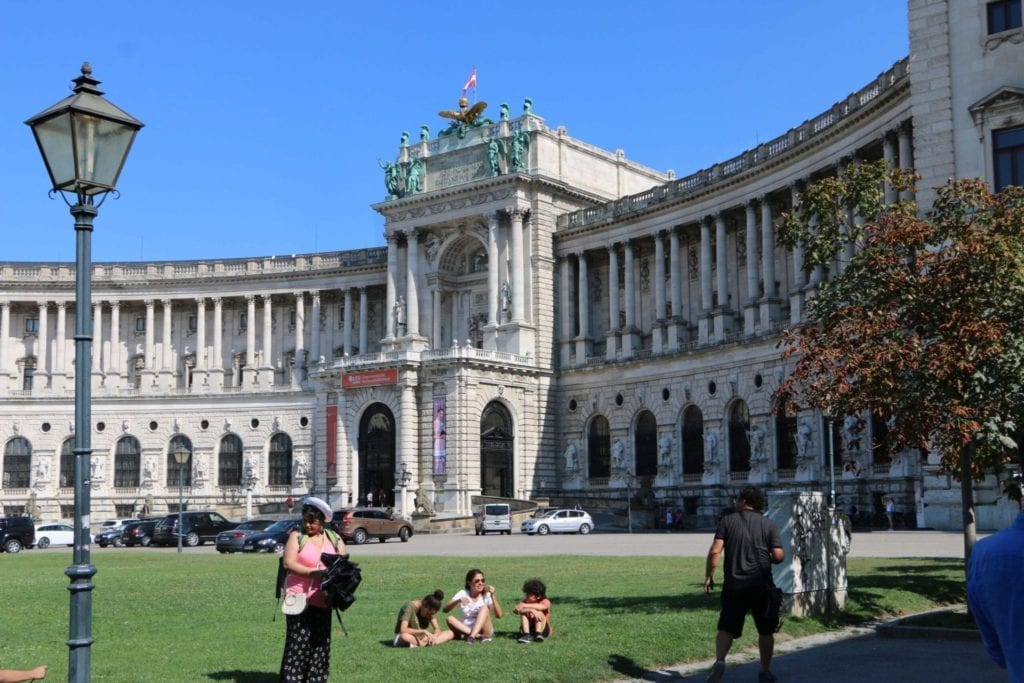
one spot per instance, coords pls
(283, 525)
(255, 525)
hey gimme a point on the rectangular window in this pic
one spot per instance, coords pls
(26, 380)
(1003, 15)
(31, 325)
(243, 321)
(1008, 157)
(193, 323)
(67, 511)
(140, 324)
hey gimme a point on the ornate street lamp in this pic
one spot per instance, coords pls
(84, 140)
(181, 457)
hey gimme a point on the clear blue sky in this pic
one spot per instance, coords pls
(265, 120)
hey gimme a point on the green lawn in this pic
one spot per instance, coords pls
(158, 616)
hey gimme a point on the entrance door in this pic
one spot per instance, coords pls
(496, 448)
(377, 456)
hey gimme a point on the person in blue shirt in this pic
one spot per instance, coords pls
(995, 591)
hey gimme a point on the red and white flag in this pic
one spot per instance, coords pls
(470, 82)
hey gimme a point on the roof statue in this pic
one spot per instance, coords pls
(466, 117)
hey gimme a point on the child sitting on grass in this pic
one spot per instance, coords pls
(534, 613)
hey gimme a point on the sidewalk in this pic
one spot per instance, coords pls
(855, 655)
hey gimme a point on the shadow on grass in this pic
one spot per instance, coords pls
(239, 676)
(627, 667)
(649, 604)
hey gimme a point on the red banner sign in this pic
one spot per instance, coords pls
(354, 380)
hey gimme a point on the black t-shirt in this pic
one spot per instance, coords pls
(749, 538)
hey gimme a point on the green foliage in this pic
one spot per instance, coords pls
(158, 616)
(922, 322)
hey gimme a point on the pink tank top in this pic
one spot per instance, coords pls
(309, 556)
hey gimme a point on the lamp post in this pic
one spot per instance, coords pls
(404, 477)
(84, 141)
(181, 456)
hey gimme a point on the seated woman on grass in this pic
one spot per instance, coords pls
(417, 623)
(477, 603)
(534, 613)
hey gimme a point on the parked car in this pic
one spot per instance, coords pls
(111, 535)
(494, 517)
(559, 521)
(54, 534)
(16, 533)
(231, 541)
(139, 532)
(271, 539)
(198, 528)
(356, 525)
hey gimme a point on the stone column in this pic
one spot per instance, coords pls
(5, 333)
(675, 288)
(59, 349)
(750, 305)
(314, 327)
(412, 268)
(266, 348)
(630, 336)
(566, 310)
(97, 344)
(346, 323)
(657, 341)
(770, 308)
(518, 271)
(492, 271)
(723, 312)
(612, 337)
(115, 364)
(299, 372)
(796, 295)
(583, 346)
(391, 294)
(704, 320)
(167, 363)
(435, 316)
(250, 340)
(216, 365)
(363, 304)
(906, 147)
(889, 154)
(147, 378)
(42, 349)
(201, 352)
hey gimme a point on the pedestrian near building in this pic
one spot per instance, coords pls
(668, 521)
(995, 591)
(751, 545)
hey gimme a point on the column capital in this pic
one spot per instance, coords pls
(165, 302)
(413, 233)
(200, 300)
(300, 294)
(216, 299)
(250, 298)
(113, 303)
(149, 303)
(61, 305)
(316, 295)
(43, 305)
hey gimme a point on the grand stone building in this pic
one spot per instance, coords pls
(546, 319)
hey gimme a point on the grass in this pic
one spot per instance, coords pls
(944, 619)
(158, 616)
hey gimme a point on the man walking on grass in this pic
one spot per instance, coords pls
(751, 544)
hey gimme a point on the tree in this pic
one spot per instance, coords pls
(919, 320)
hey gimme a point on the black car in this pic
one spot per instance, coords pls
(110, 536)
(231, 541)
(272, 539)
(16, 533)
(198, 528)
(139, 532)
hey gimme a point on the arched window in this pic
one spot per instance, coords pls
(693, 441)
(880, 454)
(599, 449)
(229, 461)
(67, 463)
(739, 444)
(17, 463)
(280, 460)
(785, 436)
(127, 458)
(172, 465)
(645, 444)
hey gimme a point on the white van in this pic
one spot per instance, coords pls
(494, 517)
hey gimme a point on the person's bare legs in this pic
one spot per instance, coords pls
(766, 647)
(459, 630)
(723, 641)
(483, 623)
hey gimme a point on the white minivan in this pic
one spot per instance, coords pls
(494, 517)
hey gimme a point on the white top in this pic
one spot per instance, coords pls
(470, 607)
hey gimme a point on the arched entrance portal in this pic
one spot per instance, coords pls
(496, 443)
(377, 456)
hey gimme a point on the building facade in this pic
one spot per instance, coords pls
(546, 319)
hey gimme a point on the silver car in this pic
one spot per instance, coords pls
(559, 521)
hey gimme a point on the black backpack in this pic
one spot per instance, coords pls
(341, 581)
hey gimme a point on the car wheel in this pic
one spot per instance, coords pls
(118, 543)
(584, 529)
(279, 548)
(43, 542)
(146, 540)
(102, 545)
(359, 536)
(403, 534)
(222, 552)
(192, 539)
(543, 530)
(12, 545)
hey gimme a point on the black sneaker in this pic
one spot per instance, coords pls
(526, 638)
(765, 677)
(539, 637)
(717, 671)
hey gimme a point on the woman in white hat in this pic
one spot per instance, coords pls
(307, 646)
